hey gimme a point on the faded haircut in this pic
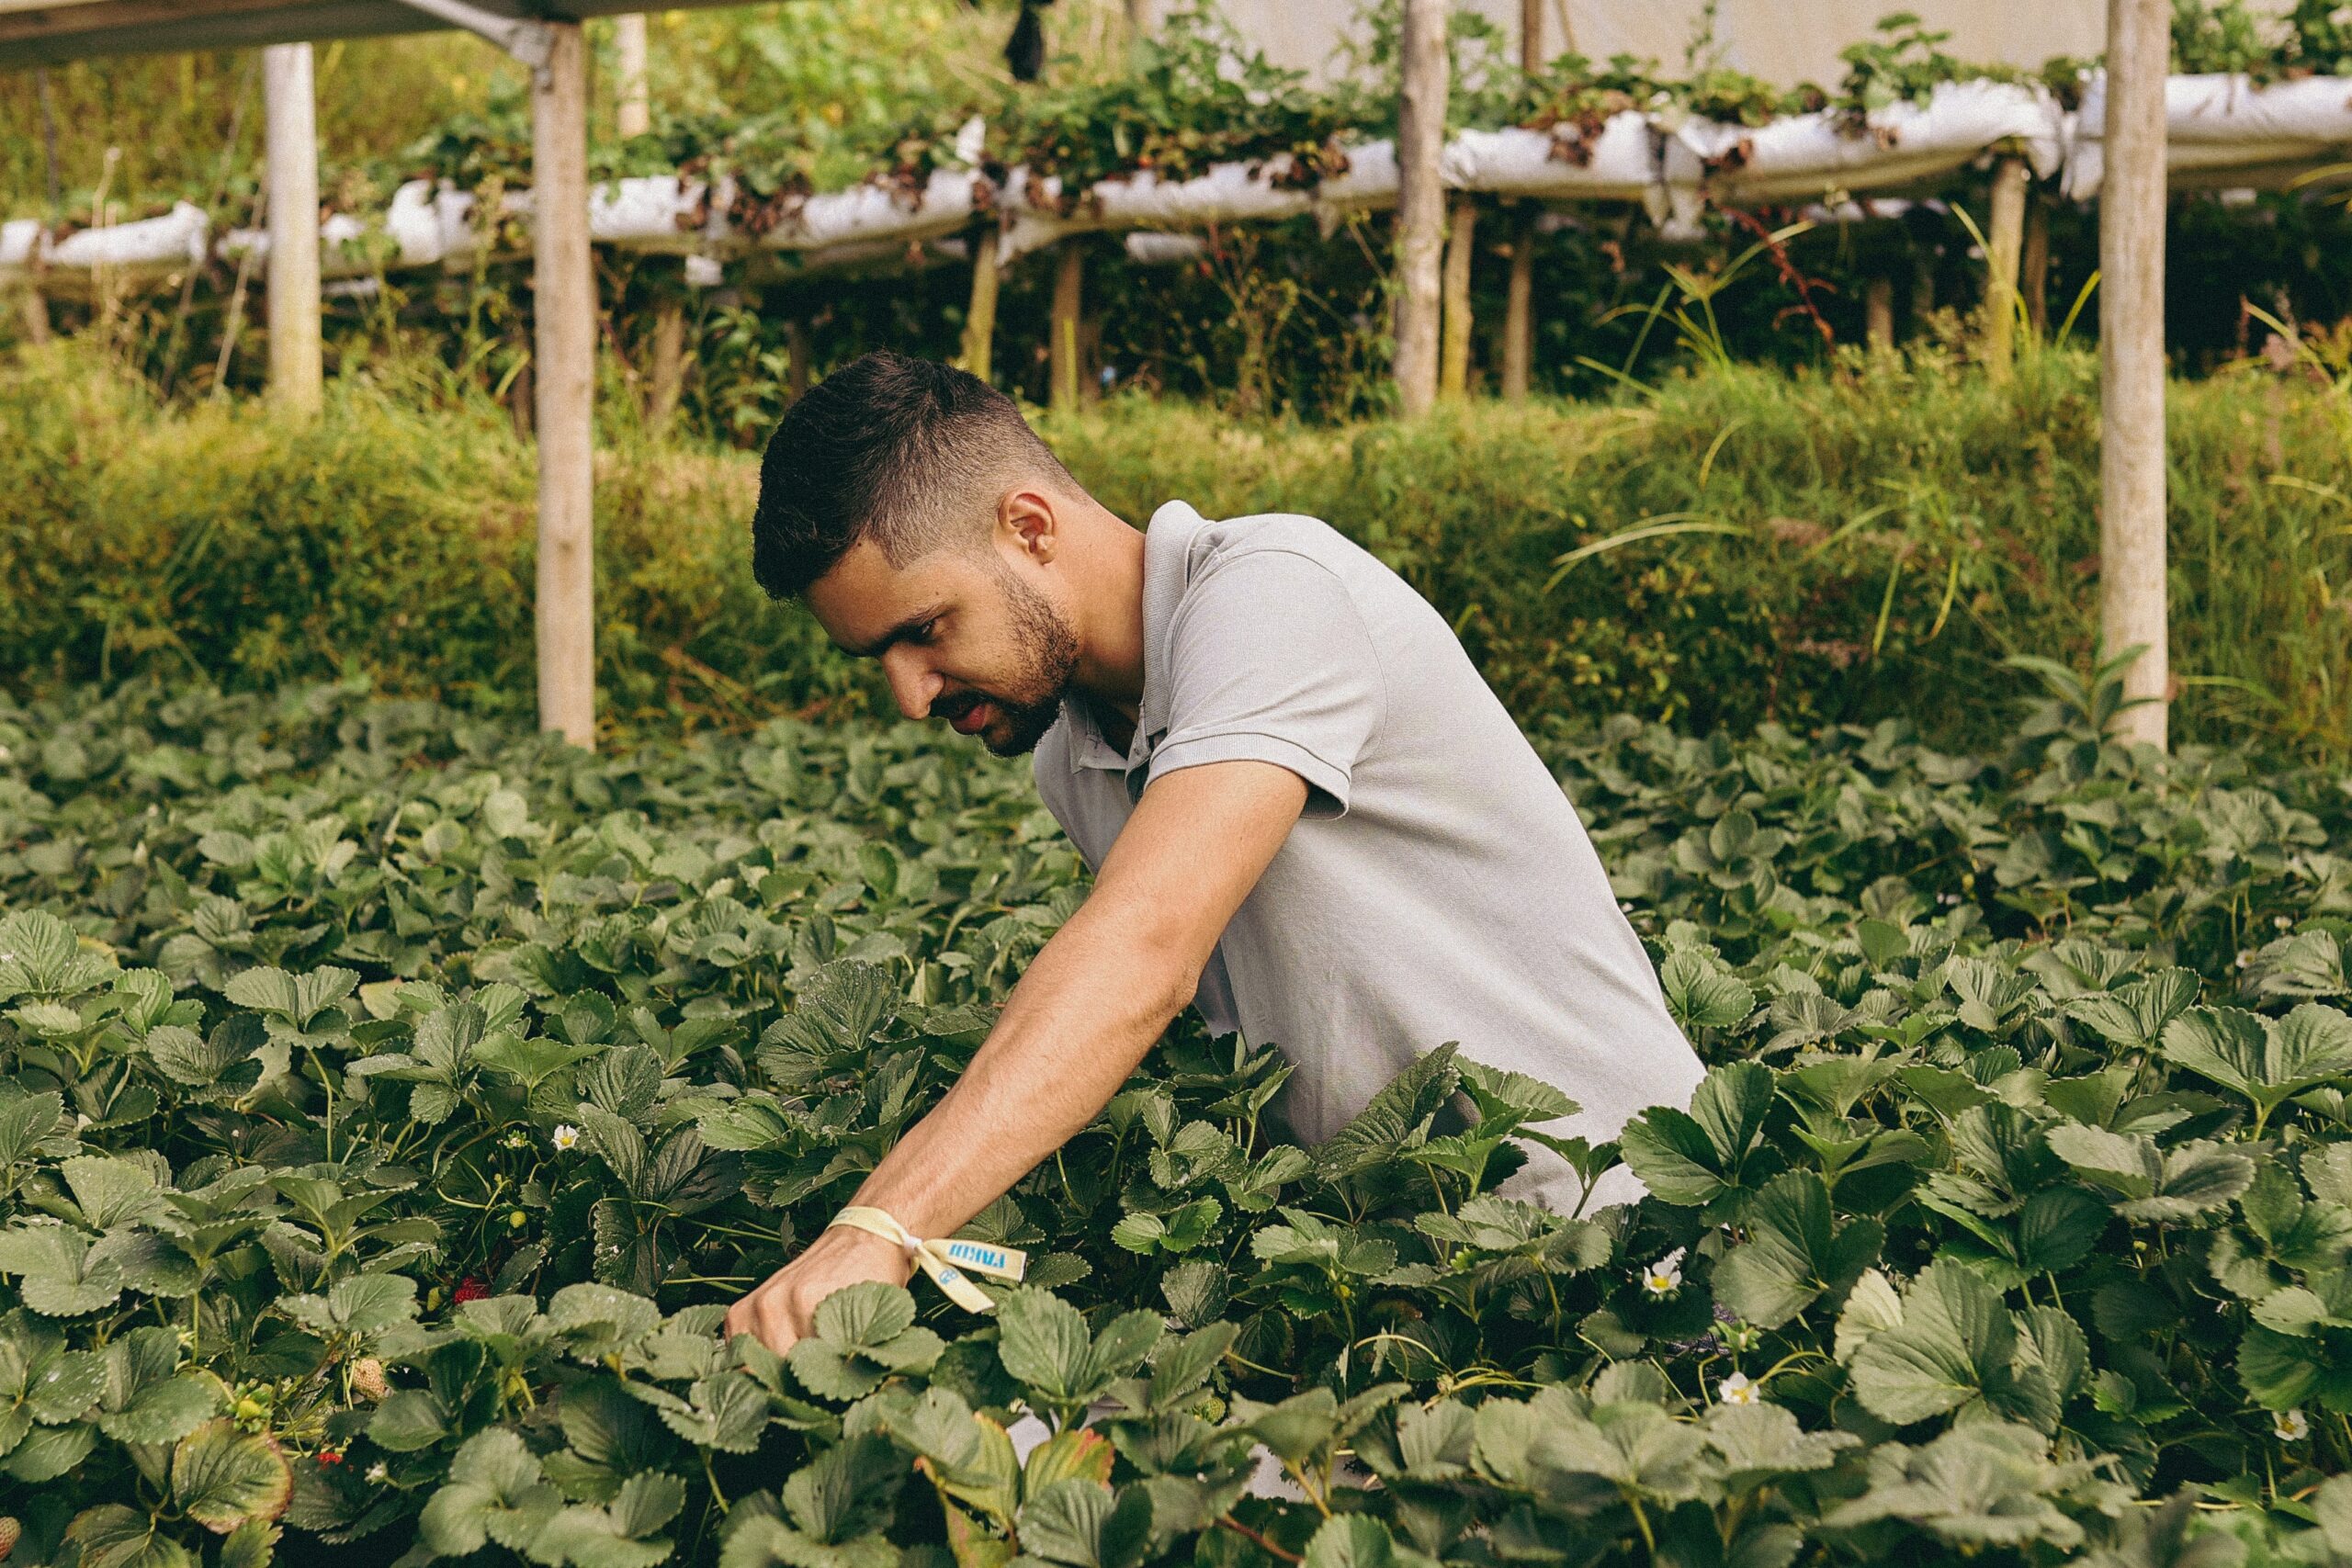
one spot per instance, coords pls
(911, 454)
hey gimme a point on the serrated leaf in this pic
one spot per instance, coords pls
(222, 1477)
(1794, 1254)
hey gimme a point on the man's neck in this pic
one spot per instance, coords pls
(1110, 627)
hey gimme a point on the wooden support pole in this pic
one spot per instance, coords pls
(1421, 204)
(979, 316)
(2033, 266)
(667, 381)
(1518, 298)
(564, 312)
(1453, 362)
(2131, 363)
(296, 376)
(796, 347)
(2003, 244)
(33, 307)
(1519, 310)
(1069, 282)
(634, 109)
(1878, 315)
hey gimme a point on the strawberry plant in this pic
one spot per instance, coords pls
(394, 1102)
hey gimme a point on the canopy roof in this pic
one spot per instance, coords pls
(50, 32)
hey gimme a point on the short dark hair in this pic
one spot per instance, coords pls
(906, 451)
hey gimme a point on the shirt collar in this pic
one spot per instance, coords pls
(1166, 568)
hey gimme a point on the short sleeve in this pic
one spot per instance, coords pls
(1269, 660)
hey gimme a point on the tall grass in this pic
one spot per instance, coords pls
(1741, 544)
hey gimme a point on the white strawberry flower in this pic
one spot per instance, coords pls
(564, 1136)
(1737, 1390)
(1663, 1277)
(2290, 1426)
(377, 1473)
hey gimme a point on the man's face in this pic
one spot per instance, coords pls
(962, 637)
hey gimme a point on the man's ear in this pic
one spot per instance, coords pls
(1029, 520)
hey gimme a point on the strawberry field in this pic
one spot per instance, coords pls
(394, 1101)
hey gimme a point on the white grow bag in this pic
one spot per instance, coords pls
(1805, 157)
(151, 247)
(2225, 131)
(870, 213)
(1224, 192)
(1617, 163)
(20, 248)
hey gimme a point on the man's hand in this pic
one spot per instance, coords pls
(781, 1310)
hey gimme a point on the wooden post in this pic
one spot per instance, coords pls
(1453, 362)
(2003, 243)
(979, 317)
(2132, 362)
(1421, 203)
(1518, 311)
(34, 308)
(796, 346)
(1518, 298)
(292, 149)
(564, 318)
(1878, 315)
(634, 108)
(668, 379)
(2033, 267)
(1069, 280)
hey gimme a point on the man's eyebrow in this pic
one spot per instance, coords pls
(891, 638)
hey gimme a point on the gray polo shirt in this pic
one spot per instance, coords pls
(1439, 886)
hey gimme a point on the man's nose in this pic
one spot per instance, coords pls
(915, 686)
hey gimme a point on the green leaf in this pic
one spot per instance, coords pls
(2134, 1014)
(112, 1536)
(613, 1535)
(1701, 994)
(2265, 1061)
(837, 1014)
(356, 1304)
(1397, 1118)
(2153, 1184)
(48, 1453)
(1503, 1095)
(847, 1490)
(495, 1494)
(253, 1544)
(1953, 1345)
(146, 1398)
(60, 1276)
(1043, 1341)
(1082, 1524)
(598, 1321)
(1794, 1255)
(1693, 1159)
(866, 1314)
(111, 1192)
(1760, 1443)
(408, 1421)
(1350, 1540)
(221, 1477)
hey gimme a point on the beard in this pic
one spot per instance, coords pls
(1028, 704)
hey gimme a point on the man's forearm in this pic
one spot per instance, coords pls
(1082, 1017)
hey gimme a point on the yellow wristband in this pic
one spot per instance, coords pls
(944, 1261)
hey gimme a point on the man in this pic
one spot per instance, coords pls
(1305, 810)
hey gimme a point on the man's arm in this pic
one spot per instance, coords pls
(1098, 995)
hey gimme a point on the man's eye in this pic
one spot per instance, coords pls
(924, 632)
